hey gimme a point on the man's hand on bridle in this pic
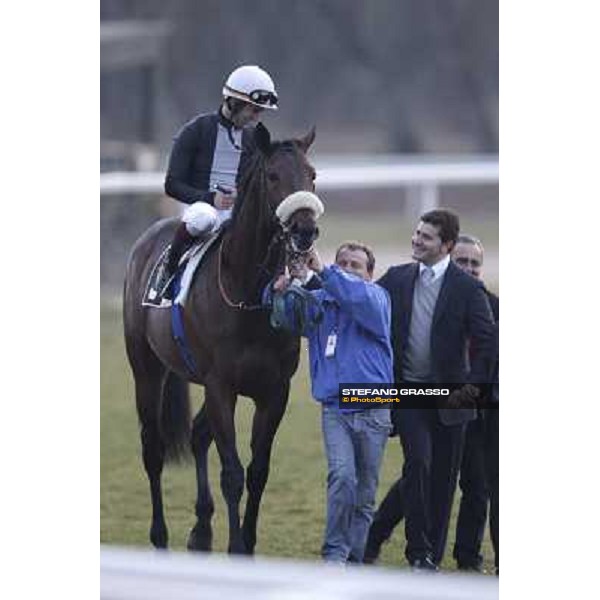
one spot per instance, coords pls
(298, 270)
(314, 261)
(281, 283)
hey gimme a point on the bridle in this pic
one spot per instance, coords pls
(282, 233)
(293, 255)
(298, 246)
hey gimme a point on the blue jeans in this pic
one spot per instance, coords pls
(354, 444)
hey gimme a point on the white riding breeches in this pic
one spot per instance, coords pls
(201, 218)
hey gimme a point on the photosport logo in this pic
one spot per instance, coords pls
(412, 395)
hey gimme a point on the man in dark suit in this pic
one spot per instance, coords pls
(492, 464)
(436, 309)
(480, 454)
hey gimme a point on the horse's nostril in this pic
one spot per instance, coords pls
(304, 237)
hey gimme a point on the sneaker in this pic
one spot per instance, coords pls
(424, 564)
(372, 550)
(375, 540)
(471, 568)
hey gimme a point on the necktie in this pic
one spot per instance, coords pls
(427, 275)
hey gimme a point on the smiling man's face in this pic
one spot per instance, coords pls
(427, 245)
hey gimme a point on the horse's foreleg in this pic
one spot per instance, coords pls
(220, 405)
(200, 537)
(268, 415)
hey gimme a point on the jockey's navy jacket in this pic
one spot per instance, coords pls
(193, 158)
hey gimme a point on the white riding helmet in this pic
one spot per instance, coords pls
(253, 85)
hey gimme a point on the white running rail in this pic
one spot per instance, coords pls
(422, 176)
(158, 575)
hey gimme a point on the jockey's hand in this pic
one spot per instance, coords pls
(224, 201)
(314, 261)
(282, 282)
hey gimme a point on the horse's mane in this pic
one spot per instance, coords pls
(252, 179)
(253, 210)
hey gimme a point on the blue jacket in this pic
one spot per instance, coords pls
(359, 312)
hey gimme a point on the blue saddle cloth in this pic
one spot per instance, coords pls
(178, 328)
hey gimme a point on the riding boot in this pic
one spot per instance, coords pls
(182, 240)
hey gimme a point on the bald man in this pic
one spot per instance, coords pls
(479, 469)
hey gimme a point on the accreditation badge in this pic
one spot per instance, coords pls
(331, 344)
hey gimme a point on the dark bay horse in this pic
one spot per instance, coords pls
(234, 349)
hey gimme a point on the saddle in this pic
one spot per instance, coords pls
(155, 294)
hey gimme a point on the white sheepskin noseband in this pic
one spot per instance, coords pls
(299, 200)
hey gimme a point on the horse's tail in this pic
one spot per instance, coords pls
(175, 419)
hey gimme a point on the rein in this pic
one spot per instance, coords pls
(237, 305)
(242, 305)
(283, 233)
(292, 256)
(277, 238)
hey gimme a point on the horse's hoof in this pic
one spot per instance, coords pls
(159, 537)
(249, 545)
(200, 539)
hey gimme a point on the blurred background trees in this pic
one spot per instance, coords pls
(378, 76)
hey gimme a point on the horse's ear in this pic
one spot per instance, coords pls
(308, 139)
(262, 138)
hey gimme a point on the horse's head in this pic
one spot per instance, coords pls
(286, 167)
(279, 171)
(288, 174)
(297, 216)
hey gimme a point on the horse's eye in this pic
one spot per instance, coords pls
(273, 177)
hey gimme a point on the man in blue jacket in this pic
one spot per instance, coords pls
(350, 343)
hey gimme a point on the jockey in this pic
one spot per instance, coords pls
(208, 155)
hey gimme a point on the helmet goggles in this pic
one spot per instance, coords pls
(263, 98)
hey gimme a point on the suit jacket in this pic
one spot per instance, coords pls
(494, 358)
(462, 312)
(494, 304)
